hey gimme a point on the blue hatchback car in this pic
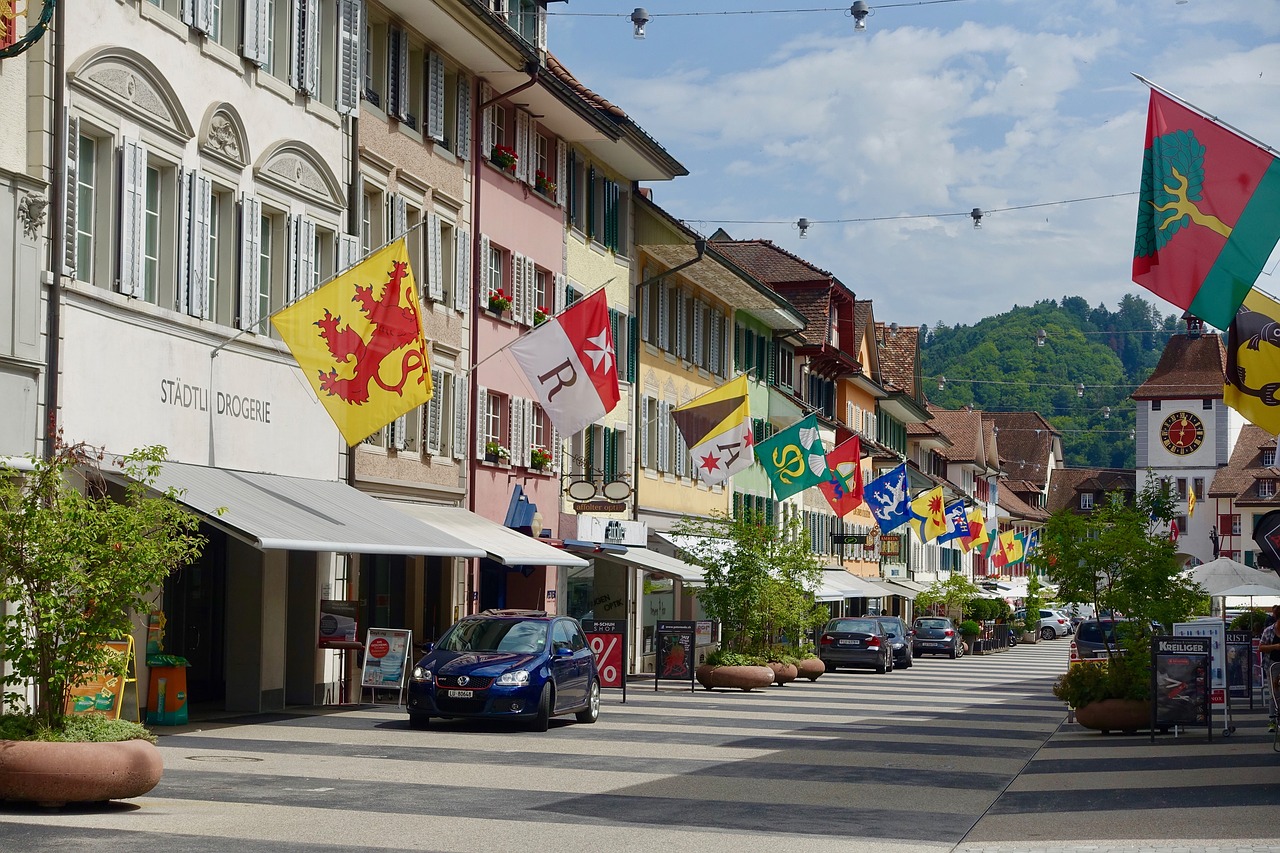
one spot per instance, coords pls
(513, 664)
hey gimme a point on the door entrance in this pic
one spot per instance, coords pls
(195, 610)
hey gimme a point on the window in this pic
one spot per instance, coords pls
(1269, 457)
(495, 282)
(1182, 488)
(266, 247)
(1086, 500)
(151, 237)
(1197, 486)
(86, 204)
(541, 294)
(273, 37)
(375, 63)
(1266, 488)
(215, 262)
(542, 162)
(1206, 405)
(539, 434)
(1235, 525)
(1155, 405)
(496, 122)
(785, 375)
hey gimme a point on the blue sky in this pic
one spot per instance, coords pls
(934, 109)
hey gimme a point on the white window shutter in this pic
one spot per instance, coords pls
(530, 289)
(186, 191)
(348, 251)
(133, 192)
(522, 146)
(399, 216)
(695, 355)
(462, 146)
(250, 268)
(664, 324)
(433, 430)
(306, 256)
(71, 195)
(555, 448)
(664, 436)
(461, 269)
(254, 31)
(481, 419)
(557, 297)
(298, 45)
(486, 132)
(482, 296)
(399, 431)
(350, 57)
(717, 328)
(518, 295)
(562, 172)
(311, 47)
(459, 417)
(435, 267)
(542, 27)
(519, 432)
(201, 204)
(680, 331)
(643, 427)
(435, 96)
(197, 14)
(726, 353)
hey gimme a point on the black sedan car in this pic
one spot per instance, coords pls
(935, 635)
(507, 664)
(855, 641)
(900, 637)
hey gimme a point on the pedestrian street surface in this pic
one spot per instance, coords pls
(971, 755)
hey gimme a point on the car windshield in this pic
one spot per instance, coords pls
(495, 635)
(893, 626)
(932, 623)
(865, 626)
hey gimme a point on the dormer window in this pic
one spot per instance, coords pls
(1086, 500)
(1266, 488)
(526, 17)
(1269, 458)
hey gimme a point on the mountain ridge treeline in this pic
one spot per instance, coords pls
(997, 365)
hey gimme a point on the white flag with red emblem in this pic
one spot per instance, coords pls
(571, 364)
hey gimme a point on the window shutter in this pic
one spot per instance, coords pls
(250, 270)
(461, 269)
(399, 216)
(397, 73)
(482, 292)
(682, 324)
(435, 96)
(523, 170)
(253, 43)
(291, 241)
(633, 348)
(726, 353)
(71, 195)
(562, 171)
(664, 319)
(771, 360)
(311, 47)
(435, 266)
(518, 300)
(696, 355)
(459, 417)
(542, 27)
(186, 192)
(557, 294)
(482, 416)
(530, 286)
(486, 132)
(522, 411)
(642, 424)
(555, 449)
(298, 47)
(348, 251)
(133, 172)
(200, 205)
(715, 330)
(664, 436)
(196, 14)
(463, 145)
(306, 256)
(591, 229)
(681, 451)
(350, 29)
(432, 429)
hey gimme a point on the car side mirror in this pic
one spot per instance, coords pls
(563, 651)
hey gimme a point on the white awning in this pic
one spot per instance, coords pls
(703, 546)
(898, 588)
(908, 584)
(837, 585)
(274, 512)
(657, 562)
(507, 546)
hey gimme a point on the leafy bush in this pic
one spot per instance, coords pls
(968, 626)
(1250, 620)
(986, 609)
(722, 657)
(86, 728)
(1121, 677)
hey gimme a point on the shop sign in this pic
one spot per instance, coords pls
(891, 546)
(337, 623)
(608, 642)
(613, 531)
(599, 506)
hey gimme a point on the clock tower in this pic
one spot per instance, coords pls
(1185, 432)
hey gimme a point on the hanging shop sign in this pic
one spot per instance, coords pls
(613, 531)
(891, 545)
(599, 506)
(9, 12)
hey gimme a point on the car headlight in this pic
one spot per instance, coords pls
(421, 673)
(515, 678)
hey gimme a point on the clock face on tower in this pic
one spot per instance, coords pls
(1182, 433)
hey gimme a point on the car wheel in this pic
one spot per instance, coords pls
(911, 661)
(542, 719)
(882, 666)
(830, 667)
(1047, 633)
(954, 653)
(419, 721)
(591, 713)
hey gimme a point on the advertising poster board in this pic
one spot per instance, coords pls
(704, 632)
(608, 642)
(337, 623)
(1216, 631)
(674, 659)
(386, 656)
(1240, 665)
(1180, 682)
(103, 692)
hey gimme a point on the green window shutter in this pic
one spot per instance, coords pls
(737, 505)
(633, 348)
(591, 202)
(571, 189)
(610, 455)
(590, 452)
(768, 512)
(737, 347)
(1248, 558)
(615, 327)
(749, 350)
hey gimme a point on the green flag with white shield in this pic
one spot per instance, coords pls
(794, 458)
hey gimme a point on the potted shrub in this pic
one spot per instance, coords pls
(78, 561)
(539, 315)
(539, 457)
(969, 632)
(504, 157)
(544, 185)
(499, 301)
(735, 671)
(495, 452)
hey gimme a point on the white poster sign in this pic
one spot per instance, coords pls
(386, 654)
(1215, 630)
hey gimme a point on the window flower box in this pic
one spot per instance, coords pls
(504, 157)
(499, 301)
(544, 185)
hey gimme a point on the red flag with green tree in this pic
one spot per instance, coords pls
(1208, 215)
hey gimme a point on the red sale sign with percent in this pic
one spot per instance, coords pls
(608, 646)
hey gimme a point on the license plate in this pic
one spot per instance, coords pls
(930, 643)
(460, 694)
(850, 642)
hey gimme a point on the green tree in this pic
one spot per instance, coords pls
(78, 559)
(951, 594)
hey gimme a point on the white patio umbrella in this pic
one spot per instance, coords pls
(1224, 576)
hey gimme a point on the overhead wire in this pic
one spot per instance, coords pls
(711, 13)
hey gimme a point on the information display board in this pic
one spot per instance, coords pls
(1216, 631)
(103, 692)
(386, 656)
(1180, 677)
(674, 652)
(1240, 665)
(608, 642)
(337, 623)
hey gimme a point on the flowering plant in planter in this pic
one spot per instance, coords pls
(539, 315)
(539, 457)
(543, 184)
(499, 301)
(496, 451)
(504, 157)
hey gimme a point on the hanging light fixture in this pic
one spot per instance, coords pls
(976, 213)
(639, 18)
(1080, 390)
(859, 10)
(803, 225)
(1041, 336)
(942, 382)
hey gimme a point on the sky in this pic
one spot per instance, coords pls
(936, 108)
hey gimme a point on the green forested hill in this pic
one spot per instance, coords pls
(996, 365)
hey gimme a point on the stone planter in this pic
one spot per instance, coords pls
(971, 644)
(811, 668)
(783, 673)
(1029, 637)
(54, 774)
(744, 678)
(1124, 715)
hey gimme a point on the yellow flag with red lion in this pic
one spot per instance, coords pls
(359, 341)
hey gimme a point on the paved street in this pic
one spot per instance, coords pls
(969, 755)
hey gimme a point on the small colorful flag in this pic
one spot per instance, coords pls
(977, 535)
(1208, 212)
(929, 515)
(1253, 362)
(886, 496)
(1191, 502)
(1019, 548)
(571, 364)
(957, 522)
(843, 488)
(1032, 542)
(716, 428)
(794, 459)
(367, 364)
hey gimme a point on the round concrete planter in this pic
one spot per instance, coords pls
(783, 673)
(811, 668)
(54, 774)
(738, 677)
(1029, 637)
(1108, 715)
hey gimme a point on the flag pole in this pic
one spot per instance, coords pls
(1237, 131)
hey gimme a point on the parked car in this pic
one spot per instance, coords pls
(935, 635)
(855, 641)
(1052, 624)
(899, 640)
(1095, 636)
(510, 664)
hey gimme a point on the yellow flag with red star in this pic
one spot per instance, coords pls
(929, 514)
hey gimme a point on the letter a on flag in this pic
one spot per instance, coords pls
(716, 428)
(1208, 212)
(358, 340)
(843, 486)
(571, 365)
